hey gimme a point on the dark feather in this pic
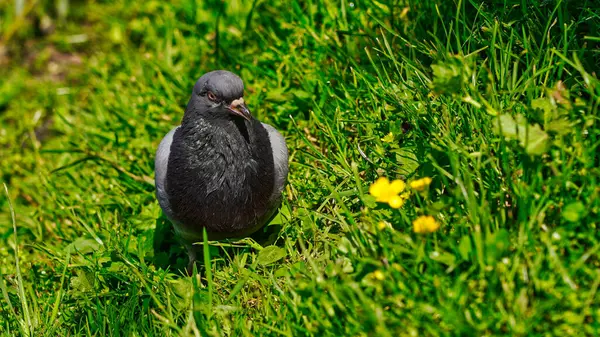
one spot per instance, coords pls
(220, 175)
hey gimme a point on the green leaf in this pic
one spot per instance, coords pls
(281, 216)
(560, 126)
(532, 138)
(574, 212)
(270, 255)
(83, 282)
(544, 104)
(407, 161)
(117, 267)
(282, 272)
(506, 126)
(83, 246)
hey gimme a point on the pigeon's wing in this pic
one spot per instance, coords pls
(160, 172)
(280, 159)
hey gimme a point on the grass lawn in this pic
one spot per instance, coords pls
(496, 101)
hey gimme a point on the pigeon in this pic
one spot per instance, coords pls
(221, 170)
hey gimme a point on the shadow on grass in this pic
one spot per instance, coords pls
(170, 253)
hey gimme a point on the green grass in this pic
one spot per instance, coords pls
(496, 101)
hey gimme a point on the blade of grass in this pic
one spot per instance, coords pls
(24, 305)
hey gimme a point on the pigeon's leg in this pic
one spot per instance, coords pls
(192, 254)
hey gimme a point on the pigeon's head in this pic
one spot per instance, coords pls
(219, 94)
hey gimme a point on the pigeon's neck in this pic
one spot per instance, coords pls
(208, 124)
(221, 132)
(226, 144)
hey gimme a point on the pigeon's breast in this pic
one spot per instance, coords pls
(220, 176)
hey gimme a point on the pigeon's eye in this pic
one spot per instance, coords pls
(211, 96)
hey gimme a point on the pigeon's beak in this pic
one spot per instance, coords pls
(239, 108)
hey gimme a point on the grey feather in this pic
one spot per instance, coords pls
(280, 159)
(160, 172)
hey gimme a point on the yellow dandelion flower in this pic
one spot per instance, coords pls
(379, 187)
(425, 224)
(397, 186)
(385, 191)
(396, 201)
(378, 275)
(420, 184)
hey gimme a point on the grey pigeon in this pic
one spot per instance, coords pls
(221, 169)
